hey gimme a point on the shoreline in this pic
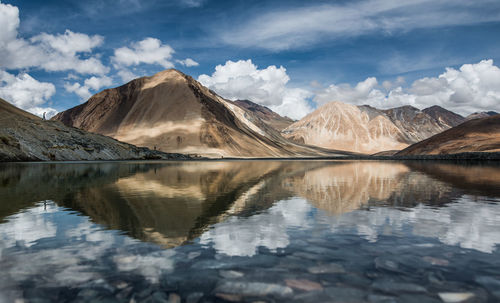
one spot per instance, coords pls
(471, 156)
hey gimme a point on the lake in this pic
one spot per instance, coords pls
(250, 231)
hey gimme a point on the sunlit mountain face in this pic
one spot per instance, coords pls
(115, 227)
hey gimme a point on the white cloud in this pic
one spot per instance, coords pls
(126, 75)
(26, 92)
(93, 83)
(149, 51)
(188, 62)
(306, 25)
(473, 87)
(243, 80)
(49, 52)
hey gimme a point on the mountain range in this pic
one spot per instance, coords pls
(170, 114)
(365, 129)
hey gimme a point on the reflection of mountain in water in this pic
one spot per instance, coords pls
(170, 203)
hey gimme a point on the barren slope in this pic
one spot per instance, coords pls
(25, 137)
(477, 135)
(175, 113)
(265, 114)
(414, 123)
(444, 116)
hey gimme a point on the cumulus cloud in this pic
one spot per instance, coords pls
(188, 62)
(313, 23)
(49, 52)
(470, 88)
(243, 80)
(26, 92)
(92, 83)
(147, 51)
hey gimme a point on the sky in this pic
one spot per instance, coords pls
(292, 56)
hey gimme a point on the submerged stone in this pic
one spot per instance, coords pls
(389, 286)
(345, 294)
(329, 268)
(230, 274)
(256, 289)
(455, 297)
(303, 284)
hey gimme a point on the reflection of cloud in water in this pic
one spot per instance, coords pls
(465, 223)
(59, 244)
(28, 226)
(241, 236)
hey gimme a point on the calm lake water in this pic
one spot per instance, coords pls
(250, 231)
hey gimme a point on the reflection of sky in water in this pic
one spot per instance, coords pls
(465, 223)
(60, 244)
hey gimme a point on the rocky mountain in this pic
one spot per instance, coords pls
(25, 137)
(477, 135)
(443, 116)
(415, 124)
(265, 114)
(478, 115)
(363, 129)
(173, 112)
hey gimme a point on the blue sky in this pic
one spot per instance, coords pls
(379, 52)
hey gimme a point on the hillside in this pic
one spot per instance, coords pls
(265, 114)
(444, 116)
(477, 135)
(25, 137)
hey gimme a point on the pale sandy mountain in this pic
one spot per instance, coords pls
(269, 117)
(363, 129)
(25, 137)
(415, 124)
(347, 127)
(478, 115)
(443, 116)
(175, 113)
(477, 135)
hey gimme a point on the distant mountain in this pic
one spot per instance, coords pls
(363, 129)
(25, 137)
(265, 114)
(174, 113)
(415, 124)
(444, 116)
(347, 127)
(478, 115)
(477, 135)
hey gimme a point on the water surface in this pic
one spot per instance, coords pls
(272, 231)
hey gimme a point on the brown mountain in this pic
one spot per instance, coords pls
(479, 115)
(265, 114)
(25, 137)
(415, 124)
(444, 116)
(477, 135)
(175, 113)
(363, 129)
